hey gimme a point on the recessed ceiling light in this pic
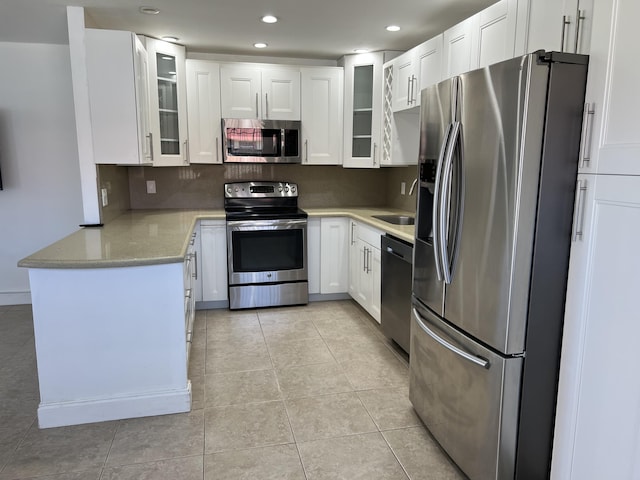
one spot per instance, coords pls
(170, 39)
(393, 28)
(260, 45)
(149, 10)
(361, 50)
(269, 19)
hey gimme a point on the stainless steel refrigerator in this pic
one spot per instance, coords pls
(498, 162)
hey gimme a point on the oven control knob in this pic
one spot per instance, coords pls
(280, 189)
(236, 189)
(293, 189)
(229, 190)
(286, 189)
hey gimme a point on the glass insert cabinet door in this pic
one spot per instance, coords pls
(362, 110)
(168, 102)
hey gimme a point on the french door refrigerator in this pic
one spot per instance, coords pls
(498, 162)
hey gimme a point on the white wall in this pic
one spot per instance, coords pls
(41, 201)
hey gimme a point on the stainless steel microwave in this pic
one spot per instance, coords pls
(261, 141)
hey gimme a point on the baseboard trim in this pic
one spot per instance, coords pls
(327, 297)
(212, 304)
(15, 298)
(114, 408)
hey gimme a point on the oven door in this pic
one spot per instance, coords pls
(267, 251)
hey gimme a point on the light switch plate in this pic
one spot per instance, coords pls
(105, 198)
(403, 188)
(151, 186)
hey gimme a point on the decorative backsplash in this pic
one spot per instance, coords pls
(201, 186)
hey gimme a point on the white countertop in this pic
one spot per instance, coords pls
(151, 237)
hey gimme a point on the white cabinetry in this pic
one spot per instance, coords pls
(168, 100)
(597, 431)
(250, 91)
(334, 260)
(598, 415)
(203, 108)
(313, 255)
(458, 56)
(213, 254)
(559, 25)
(365, 267)
(117, 77)
(485, 38)
(414, 70)
(611, 138)
(322, 100)
(362, 109)
(495, 35)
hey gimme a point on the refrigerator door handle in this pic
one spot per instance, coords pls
(447, 263)
(437, 200)
(467, 356)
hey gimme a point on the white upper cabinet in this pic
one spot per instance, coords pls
(403, 81)
(458, 56)
(428, 65)
(168, 100)
(117, 77)
(483, 39)
(495, 35)
(557, 25)
(414, 70)
(249, 91)
(203, 108)
(322, 101)
(611, 129)
(362, 109)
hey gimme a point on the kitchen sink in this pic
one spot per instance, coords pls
(396, 219)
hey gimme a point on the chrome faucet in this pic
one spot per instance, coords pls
(413, 186)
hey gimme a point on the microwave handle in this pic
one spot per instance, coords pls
(282, 142)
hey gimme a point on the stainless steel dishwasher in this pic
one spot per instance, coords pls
(397, 261)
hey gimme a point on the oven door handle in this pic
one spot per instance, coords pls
(266, 223)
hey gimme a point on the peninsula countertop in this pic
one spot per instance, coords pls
(152, 237)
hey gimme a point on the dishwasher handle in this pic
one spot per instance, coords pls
(399, 249)
(397, 254)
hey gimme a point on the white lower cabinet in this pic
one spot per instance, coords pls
(334, 274)
(365, 276)
(313, 254)
(598, 414)
(213, 254)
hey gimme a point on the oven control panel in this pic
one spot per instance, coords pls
(260, 189)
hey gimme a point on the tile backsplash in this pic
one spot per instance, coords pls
(201, 186)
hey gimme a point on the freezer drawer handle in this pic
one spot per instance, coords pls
(467, 356)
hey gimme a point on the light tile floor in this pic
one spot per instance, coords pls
(313, 392)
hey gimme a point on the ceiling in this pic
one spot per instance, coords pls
(314, 29)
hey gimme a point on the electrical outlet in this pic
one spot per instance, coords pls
(403, 188)
(151, 186)
(105, 198)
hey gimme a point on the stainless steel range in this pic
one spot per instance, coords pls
(266, 245)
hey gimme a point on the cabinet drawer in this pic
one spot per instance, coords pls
(369, 235)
